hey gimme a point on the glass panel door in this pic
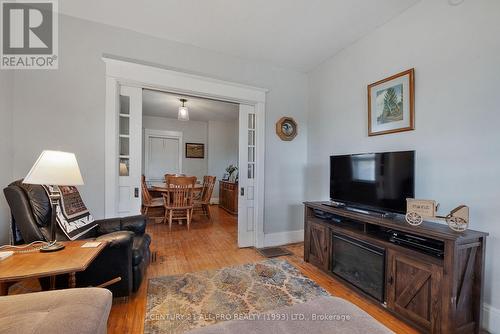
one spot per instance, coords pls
(247, 163)
(124, 136)
(129, 150)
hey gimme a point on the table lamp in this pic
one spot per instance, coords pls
(54, 168)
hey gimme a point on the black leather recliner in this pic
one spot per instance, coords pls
(126, 255)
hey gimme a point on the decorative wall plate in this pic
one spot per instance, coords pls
(286, 128)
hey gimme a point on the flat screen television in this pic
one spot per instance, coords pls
(377, 181)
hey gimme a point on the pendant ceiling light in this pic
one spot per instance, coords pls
(183, 114)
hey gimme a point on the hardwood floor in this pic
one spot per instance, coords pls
(213, 245)
(209, 246)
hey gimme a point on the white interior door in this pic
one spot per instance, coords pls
(163, 154)
(247, 167)
(130, 142)
(163, 158)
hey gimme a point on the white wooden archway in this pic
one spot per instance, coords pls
(131, 74)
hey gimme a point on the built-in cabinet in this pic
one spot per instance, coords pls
(436, 293)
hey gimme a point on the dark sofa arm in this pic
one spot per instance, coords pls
(136, 224)
(114, 261)
(119, 239)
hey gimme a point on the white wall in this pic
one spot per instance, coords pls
(456, 55)
(192, 132)
(222, 149)
(64, 109)
(6, 106)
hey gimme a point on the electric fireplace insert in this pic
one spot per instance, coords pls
(360, 263)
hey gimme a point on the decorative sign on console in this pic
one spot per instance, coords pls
(418, 209)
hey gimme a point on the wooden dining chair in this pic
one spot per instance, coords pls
(206, 194)
(167, 176)
(147, 200)
(178, 200)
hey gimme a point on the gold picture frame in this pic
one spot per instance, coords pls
(195, 151)
(286, 128)
(391, 104)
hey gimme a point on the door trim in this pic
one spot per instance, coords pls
(124, 72)
(160, 134)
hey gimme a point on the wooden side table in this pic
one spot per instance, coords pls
(72, 259)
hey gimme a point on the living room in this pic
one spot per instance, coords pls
(309, 62)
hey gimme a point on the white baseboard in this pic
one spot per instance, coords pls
(491, 319)
(214, 200)
(283, 238)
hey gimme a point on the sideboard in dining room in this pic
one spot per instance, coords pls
(228, 196)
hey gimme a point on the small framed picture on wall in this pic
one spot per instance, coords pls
(195, 150)
(391, 104)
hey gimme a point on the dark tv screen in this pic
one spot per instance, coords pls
(379, 181)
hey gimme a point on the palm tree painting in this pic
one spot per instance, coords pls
(390, 104)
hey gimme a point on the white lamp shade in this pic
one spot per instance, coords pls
(56, 169)
(183, 114)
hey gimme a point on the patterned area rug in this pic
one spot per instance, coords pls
(177, 304)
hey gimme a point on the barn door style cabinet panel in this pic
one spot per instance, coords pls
(413, 290)
(317, 245)
(428, 275)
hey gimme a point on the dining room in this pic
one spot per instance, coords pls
(190, 158)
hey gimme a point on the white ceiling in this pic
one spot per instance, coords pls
(298, 34)
(160, 104)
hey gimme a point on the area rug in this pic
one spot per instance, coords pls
(177, 304)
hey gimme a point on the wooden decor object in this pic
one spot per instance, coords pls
(286, 128)
(418, 209)
(433, 294)
(458, 218)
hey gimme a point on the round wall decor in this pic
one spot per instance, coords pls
(286, 128)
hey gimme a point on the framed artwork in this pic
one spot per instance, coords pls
(195, 150)
(391, 104)
(286, 128)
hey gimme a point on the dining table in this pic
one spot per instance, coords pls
(161, 187)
